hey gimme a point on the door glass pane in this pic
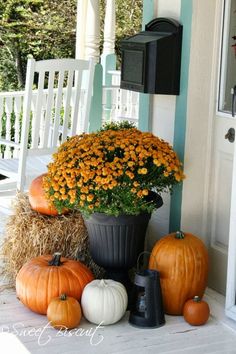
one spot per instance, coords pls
(228, 56)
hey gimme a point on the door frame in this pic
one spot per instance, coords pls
(230, 306)
(230, 301)
(201, 112)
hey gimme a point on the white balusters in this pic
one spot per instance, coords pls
(1, 113)
(123, 106)
(8, 109)
(58, 107)
(38, 103)
(42, 111)
(67, 111)
(10, 113)
(17, 111)
(124, 103)
(48, 113)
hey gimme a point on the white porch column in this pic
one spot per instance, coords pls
(87, 46)
(81, 28)
(109, 28)
(92, 36)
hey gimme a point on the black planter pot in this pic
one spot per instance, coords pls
(116, 242)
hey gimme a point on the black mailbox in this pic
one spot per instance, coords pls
(151, 59)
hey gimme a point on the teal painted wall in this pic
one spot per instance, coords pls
(108, 62)
(181, 110)
(95, 116)
(145, 100)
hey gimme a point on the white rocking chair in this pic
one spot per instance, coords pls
(58, 108)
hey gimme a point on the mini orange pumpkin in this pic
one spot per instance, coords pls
(64, 312)
(37, 198)
(182, 260)
(196, 311)
(46, 277)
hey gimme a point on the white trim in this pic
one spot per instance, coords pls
(216, 303)
(231, 273)
(212, 110)
(221, 114)
(226, 4)
(215, 212)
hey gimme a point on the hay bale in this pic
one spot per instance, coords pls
(29, 234)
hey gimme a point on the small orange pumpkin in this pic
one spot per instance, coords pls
(182, 260)
(37, 198)
(46, 277)
(196, 311)
(64, 312)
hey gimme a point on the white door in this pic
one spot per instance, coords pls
(222, 155)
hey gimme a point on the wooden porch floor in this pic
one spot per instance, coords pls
(176, 336)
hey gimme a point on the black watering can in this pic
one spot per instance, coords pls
(146, 306)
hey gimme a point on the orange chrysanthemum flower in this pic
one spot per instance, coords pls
(111, 171)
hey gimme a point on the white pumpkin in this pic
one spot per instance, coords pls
(104, 301)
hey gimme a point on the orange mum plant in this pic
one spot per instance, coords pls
(111, 171)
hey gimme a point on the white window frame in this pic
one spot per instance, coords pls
(223, 59)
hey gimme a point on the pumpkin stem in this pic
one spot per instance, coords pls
(103, 282)
(63, 297)
(196, 298)
(56, 259)
(179, 235)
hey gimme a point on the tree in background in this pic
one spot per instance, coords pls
(128, 19)
(41, 28)
(46, 29)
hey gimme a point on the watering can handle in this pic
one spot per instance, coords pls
(141, 254)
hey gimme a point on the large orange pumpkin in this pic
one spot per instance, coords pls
(46, 277)
(37, 197)
(182, 261)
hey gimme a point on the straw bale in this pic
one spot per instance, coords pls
(29, 234)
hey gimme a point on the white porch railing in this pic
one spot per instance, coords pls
(11, 107)
(117, 105)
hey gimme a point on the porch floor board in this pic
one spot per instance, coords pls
(176, 336)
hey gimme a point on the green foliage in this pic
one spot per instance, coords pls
(40, 28)
(120, 201)
(8, 75)
(117, 125)
(128, 20)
